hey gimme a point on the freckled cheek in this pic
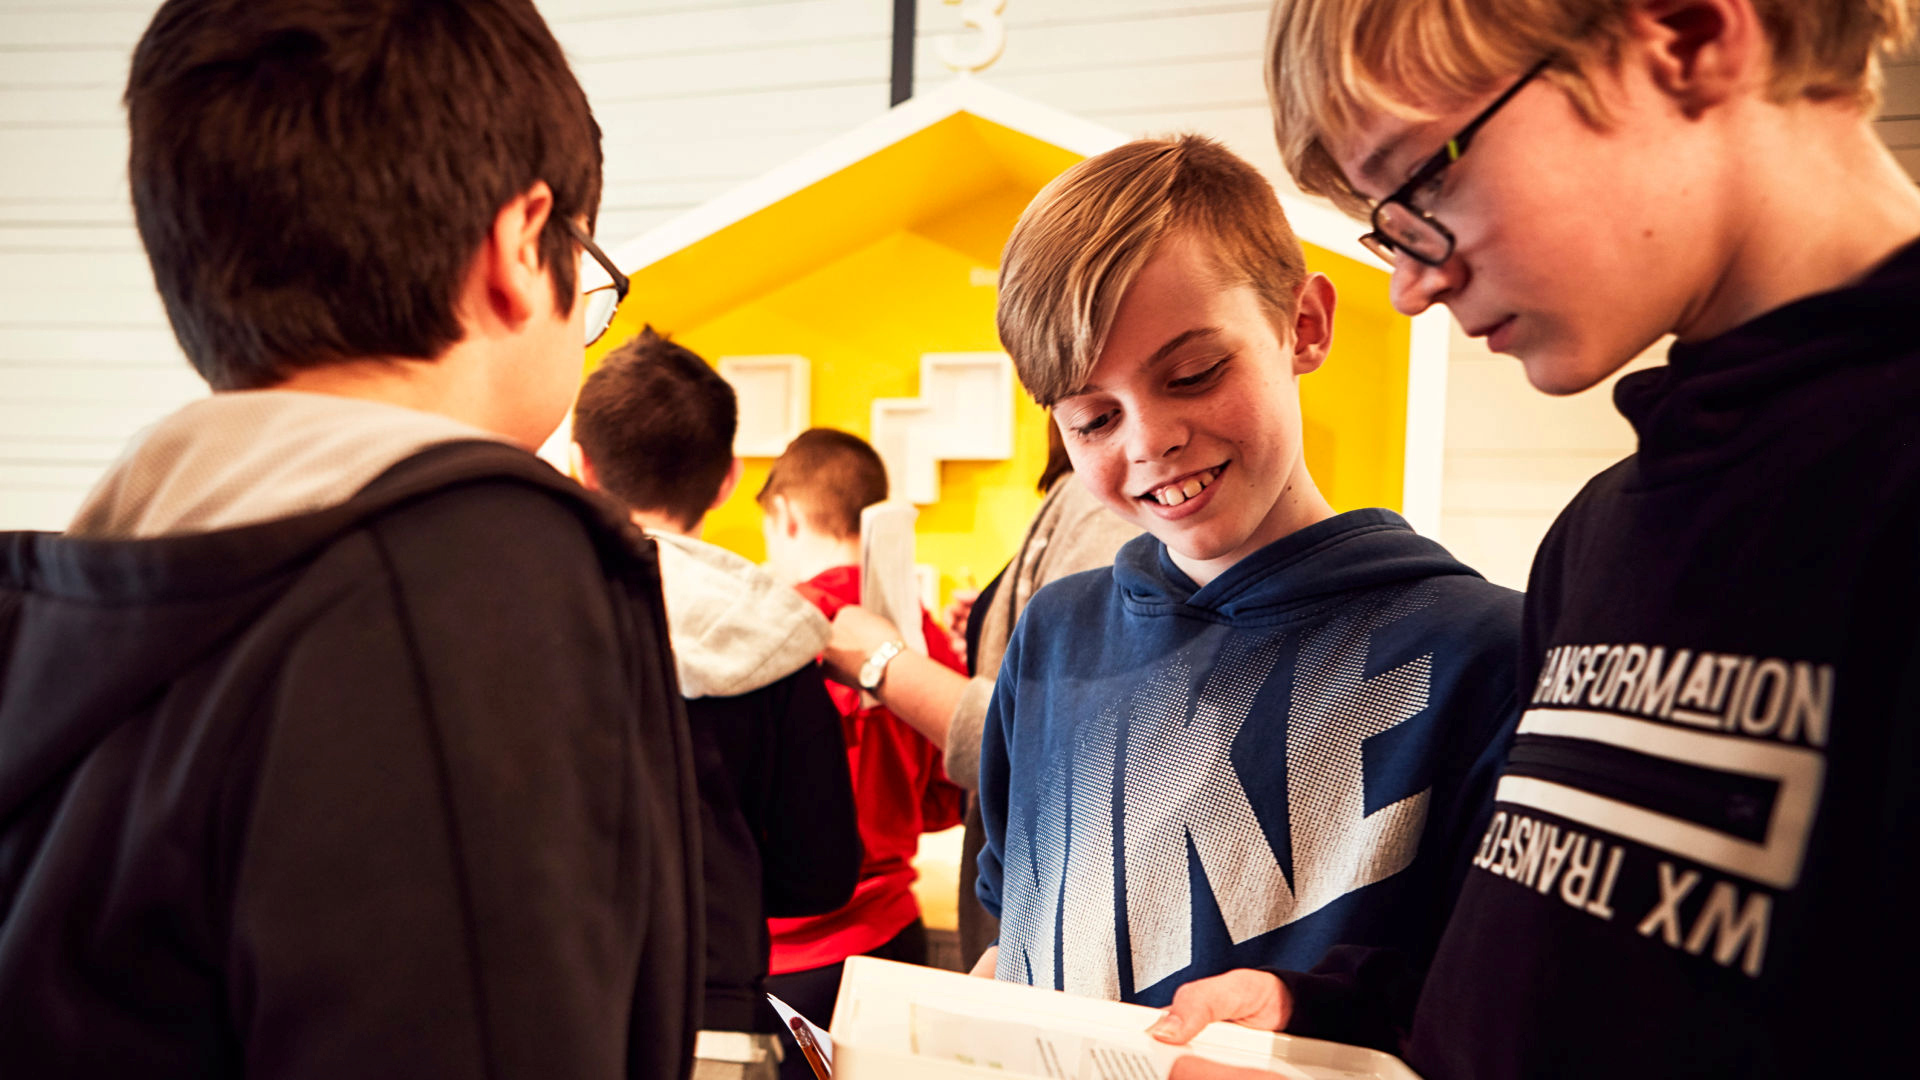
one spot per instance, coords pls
(1105, 476)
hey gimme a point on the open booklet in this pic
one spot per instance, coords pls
(899, 1020)
(889, 585)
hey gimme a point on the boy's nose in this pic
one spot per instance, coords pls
(1415, 286)
(1158, 437)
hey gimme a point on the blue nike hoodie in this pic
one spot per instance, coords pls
(1178, 780)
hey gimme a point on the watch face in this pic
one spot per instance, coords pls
(876, 665)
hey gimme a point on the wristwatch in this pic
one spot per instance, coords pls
(875, 668)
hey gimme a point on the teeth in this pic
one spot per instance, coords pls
(1175, 494)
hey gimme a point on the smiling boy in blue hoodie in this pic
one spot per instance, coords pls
(1269, 727)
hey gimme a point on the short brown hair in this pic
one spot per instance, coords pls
(832, 475)
(1079, 244)
(1329, 62)
(657, 424)
(312, 179)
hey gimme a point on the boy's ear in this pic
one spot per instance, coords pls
(509, 273)
(1701, 52)
(727, 485)
(582, 468)
(784, 516)
(1313, 324)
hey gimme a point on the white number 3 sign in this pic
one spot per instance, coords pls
(984, 16)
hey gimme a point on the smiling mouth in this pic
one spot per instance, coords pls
(1179, 491)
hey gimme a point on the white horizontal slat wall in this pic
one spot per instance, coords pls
(1899, 121)
(1515, 456)
(1144, 67)
(695, 97)
(85, 354)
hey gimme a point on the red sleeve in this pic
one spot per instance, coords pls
(821, 593)
(939, 646)
(828, 603)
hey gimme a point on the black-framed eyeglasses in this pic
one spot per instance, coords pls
(1401, 227)
(604, 300)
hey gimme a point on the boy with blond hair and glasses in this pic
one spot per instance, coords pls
(1700, 857)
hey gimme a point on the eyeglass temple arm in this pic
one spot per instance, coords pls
(620, 284)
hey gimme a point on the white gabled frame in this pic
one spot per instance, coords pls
(1313, 222)
(775, 395)
(899, 430)
(1426, 422)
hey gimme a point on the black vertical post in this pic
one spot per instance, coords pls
(903, 31)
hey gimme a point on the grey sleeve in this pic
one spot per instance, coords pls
(963, 732)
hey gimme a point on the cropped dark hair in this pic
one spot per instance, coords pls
(313, 178)
(657, 423)
(830, 473)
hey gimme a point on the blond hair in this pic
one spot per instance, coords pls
(1330, 62)
(1082, 240)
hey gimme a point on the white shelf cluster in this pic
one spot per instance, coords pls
(964, 413)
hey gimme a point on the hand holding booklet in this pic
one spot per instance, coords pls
(900, 1020)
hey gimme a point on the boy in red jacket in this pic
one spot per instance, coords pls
(812, 498)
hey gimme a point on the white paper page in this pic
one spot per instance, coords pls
(821, 1039)
(888, 583)
(1025, 1049)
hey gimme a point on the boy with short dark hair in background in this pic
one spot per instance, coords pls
(812, 500)
(339, 736)
(654, 426)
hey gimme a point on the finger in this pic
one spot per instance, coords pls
(1194, 1006)
(1181, 1022)
(989, 960)
(1249, 997)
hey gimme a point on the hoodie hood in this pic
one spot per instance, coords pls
(1360, 549)
(1770, 380)
(245, 457)
(734, 628)
(99, 626)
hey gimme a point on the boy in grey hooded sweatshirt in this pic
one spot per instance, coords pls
(654, 427)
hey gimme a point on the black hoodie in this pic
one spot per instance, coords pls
(396, 788)
(1722, 667)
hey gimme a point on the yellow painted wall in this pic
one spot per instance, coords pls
(863, 321)
(864, 318)
(1355, 406)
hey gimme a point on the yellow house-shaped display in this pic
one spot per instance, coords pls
(881, 246)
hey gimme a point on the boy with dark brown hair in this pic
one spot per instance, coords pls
(339, 732)
(654, 426)
(812, 499)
